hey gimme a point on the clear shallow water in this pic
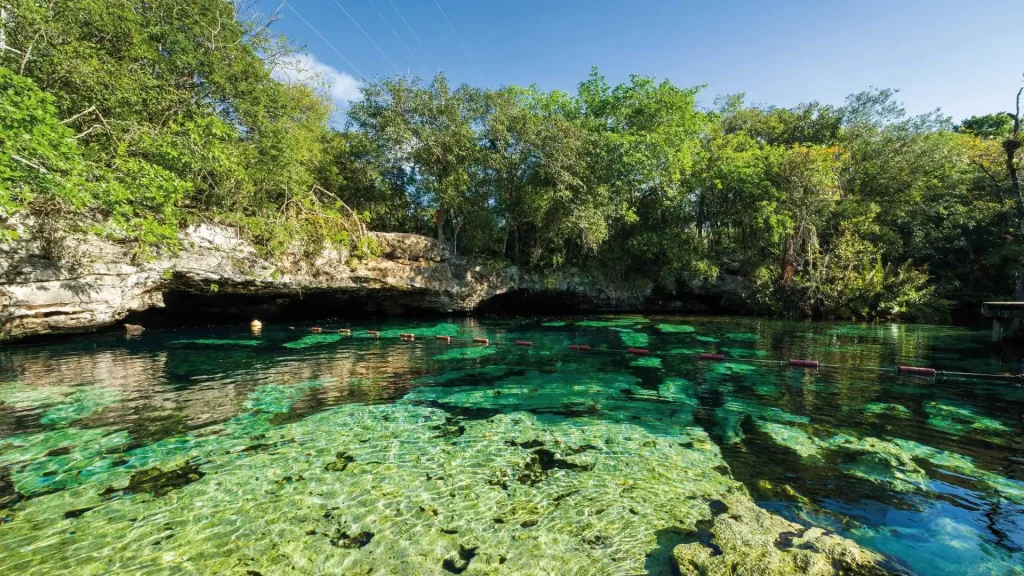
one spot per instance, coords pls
(213, 451)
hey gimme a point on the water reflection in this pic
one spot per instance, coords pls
(904, 465)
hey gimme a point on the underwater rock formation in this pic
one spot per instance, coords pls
(745, 540)
(384, 489)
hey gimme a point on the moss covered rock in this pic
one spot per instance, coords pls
(745, 540)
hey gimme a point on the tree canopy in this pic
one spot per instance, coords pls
(135, 118)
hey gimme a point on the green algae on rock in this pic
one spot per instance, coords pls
(64, 404)
(957, 420)
(878, 461)
(313, 340)
(730, 415)
(434, 498)
(328, 461)
(743, 352)
(633, 339)
(466, 353)
(199, 342)
(726, 368)
(876, 408)
(745, 539)
(793, 438)
(647, 362)
(676, 328)
(685, 351)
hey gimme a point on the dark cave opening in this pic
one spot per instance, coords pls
(532, 303)
(184, 308)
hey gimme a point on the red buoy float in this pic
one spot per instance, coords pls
(374, 333)
(483, 341)
(445, 339)
(638, 351)
(344, 331)
(804, 363)
(523, 343)
(917, 371)
(711, 356)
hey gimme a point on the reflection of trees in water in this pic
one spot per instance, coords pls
(174, 390)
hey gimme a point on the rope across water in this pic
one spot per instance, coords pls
(709, 357)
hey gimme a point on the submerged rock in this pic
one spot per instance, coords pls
(746, 540)
(395, 489)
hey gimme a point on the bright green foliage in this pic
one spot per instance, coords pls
(142, 117)
(146, 115)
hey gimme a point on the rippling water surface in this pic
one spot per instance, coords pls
(214, 451)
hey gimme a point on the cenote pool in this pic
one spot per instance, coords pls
(213, 451)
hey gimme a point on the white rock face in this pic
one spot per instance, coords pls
(80, 284)
(88, 283)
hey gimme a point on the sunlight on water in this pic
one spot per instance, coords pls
(209, 451)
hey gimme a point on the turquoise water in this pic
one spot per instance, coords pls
(209, 451)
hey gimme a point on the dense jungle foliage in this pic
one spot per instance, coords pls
(134, 119)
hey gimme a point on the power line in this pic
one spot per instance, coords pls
(414, 35)
(392, 28)
(326, 41)
(382, 53)
(456, 34)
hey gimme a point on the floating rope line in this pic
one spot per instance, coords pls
(713, 357)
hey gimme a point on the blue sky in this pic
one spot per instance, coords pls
(964, 56)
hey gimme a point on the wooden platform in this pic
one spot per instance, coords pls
(1000, 312)
(1003, 309)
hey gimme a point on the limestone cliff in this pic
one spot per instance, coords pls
(80, 284)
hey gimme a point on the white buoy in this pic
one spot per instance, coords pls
(256, 326)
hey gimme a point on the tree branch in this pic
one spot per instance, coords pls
(29, 163)
(24, 60)
(362, 229)
(79, 115)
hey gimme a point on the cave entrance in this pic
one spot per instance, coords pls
(531, 303)
(183, 308)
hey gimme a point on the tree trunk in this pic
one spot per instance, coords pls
(439, 218)
(1011, 145)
